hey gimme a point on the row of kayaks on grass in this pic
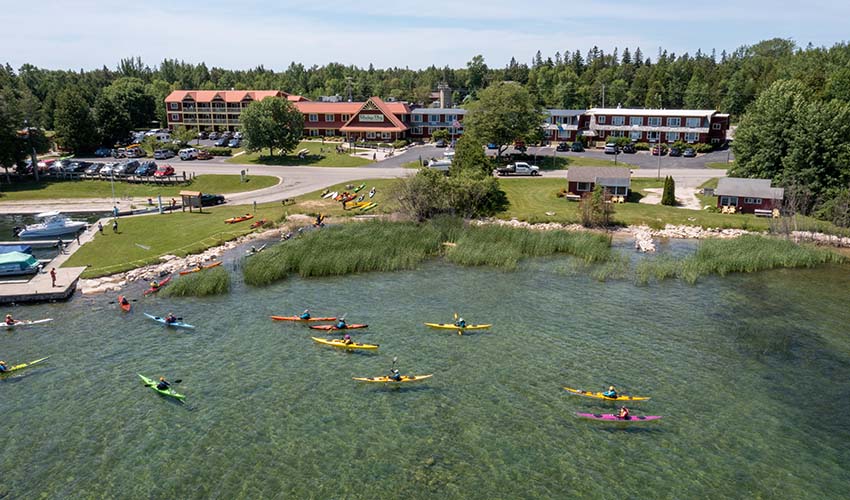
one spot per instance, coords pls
(241, 218)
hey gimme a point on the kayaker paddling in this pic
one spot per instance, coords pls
(163, 385)
(124, 301)
(171, 319)
(624, 413)
(10, 320)
(306, 314)
(347, 340)
(610, 393)
(154, 285)
(460, 323)
(341, 324)
(3, 366)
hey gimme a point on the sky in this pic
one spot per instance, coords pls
(243, 34)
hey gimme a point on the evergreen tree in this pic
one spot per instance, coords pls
(668, 197)
(75, 126)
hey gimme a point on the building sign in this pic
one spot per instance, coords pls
(371, 118)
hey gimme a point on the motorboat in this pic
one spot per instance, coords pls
(53, 224)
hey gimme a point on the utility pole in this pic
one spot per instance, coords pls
(603, 95)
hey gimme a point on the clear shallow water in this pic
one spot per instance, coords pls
(739, 366)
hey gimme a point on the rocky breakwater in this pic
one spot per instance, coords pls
(543, 226)
(821, 239)
(168, 264)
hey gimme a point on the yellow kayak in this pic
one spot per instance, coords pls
(342, 345)
(458, 329)
(599, 395)
(404, 378)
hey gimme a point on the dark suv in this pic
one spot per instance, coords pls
(629, 148)
(562, 146)
(209, 200)
(577, 147)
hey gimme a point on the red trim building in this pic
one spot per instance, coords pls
(748, 195)
(654, 125)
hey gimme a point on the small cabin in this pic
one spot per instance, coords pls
(748, 196)
(617, 180)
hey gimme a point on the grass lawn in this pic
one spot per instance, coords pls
(142, 240)
(565, 162)
(320, 155)
(103, 189)
(722, 165)
(411, 164)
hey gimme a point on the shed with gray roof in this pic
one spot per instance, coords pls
(617, 180)
(748, 195)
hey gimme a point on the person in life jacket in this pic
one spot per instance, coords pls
(305, 315)
(624, 413)
(171, 319)
(163, 385)
(347, 340)
(610, 393)
(10, 320)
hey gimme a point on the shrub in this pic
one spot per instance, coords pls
(209, 282)
(642, 146)
(400, 143)
(702, 148)
(619, 141)
(220, 151)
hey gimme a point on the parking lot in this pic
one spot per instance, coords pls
(641, 159)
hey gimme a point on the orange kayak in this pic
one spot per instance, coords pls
(258, 223)
(125, 307)
(234, 220)
(296, 318)
(200, 268)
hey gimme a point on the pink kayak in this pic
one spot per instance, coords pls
(614, 418)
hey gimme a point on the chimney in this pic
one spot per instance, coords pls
(445, 95)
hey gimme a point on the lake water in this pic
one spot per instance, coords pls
(749, 371)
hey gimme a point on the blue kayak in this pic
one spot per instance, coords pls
(177, 324)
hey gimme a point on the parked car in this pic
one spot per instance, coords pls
(237, 135)
(203, 134)
(136, 153)
(226, 135)
(630, 149)
(146, 169)
(102, 152)
(93, 169)
(164, 171)
(59, 166)
(675, 152)
(203, 155)
(163, 154)
(658, 150)
(234, 143)
(492, 146)
(129, 168)
(577, 147)
(562, 146)
(519, 168)
(213, 136)
(80, 166)
(208, 200)
(689, 153)
(188, 154)
(119, 153)
(109, 169)
(611, 149)
(221, 142)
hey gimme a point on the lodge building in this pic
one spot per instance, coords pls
(377, 120)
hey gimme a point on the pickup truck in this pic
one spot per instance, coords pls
(518, 168)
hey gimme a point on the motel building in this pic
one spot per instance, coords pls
(377, 120)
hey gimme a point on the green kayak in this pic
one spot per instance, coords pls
(168, 392)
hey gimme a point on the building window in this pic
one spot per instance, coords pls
(564, 134)
(417, 130)
(345, 118)
(329, 117)
(636, 135)
(313, 117)
(715, 126)
(752, 201)
(673, 122)
(434, 118)
(618, 120)
(672, 136)
(715, 140)
(417, 118)
(370, 135)
(175, 117)
(617, 190)
(385, 135)
(314, 132)
(601, 119)
(329, 132)
(726, 201)
(692, 122)
(653, 136)
(654, 121)
(451, 118)
(691, 137)
(582, 186)
(172, 105)
(635, 121)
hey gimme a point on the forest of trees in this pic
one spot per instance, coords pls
(89, 108)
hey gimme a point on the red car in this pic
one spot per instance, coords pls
(164, 171)
(204, 155)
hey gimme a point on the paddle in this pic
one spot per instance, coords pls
(459, 332)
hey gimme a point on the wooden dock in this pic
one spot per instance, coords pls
(38, 243)
(40, 288)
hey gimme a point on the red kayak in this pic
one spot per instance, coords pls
(296, 318)
(333, 327)
(125, 307)
(258, 223)
(608, 417)
(161, 284)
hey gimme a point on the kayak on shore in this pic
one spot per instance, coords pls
(23, 365)
(342, 345)
(258, 223)
(199, 268)
(161, 284)
(168, 392)
(298, 318)
(353, 326)
(253, 251)
(608, 417)
(26, 322)
(385, 379)
(599, 395)
(176, 324)
(241, 218)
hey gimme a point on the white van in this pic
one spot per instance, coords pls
(188, 154)
(442, 164)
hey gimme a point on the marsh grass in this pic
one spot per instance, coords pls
(214, 281)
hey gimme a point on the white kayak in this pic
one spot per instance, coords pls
(25, 322)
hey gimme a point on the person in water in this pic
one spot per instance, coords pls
(163, 385)
(395, 375)
(347, 340)
(3, 366)
(10, 320)
(305, 314)
(171, 319)
(341, 324)
(460, 323)
(624, 413)
(610, 393)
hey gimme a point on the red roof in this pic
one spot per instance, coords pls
(224, 95)
(296, 98)
(388, 110)
(345, 108)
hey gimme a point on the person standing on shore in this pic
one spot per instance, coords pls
(114, 225)
(100, 227)
(53, 276)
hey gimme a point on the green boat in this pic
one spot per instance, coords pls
(168, 392)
